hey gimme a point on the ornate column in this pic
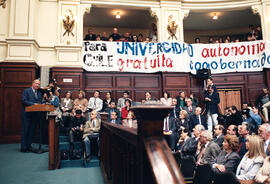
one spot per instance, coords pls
(155, 12)
(184, 14)
(258, 9)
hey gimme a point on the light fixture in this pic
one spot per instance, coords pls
(215, 17)
(117, 16)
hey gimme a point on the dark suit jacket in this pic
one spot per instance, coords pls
(212, 106)
(194, 120)
(211, 152)
(179, 123)
(172, 126)
(189, 148)
(190, 113)
(117, 121)
(230, 161)
(90, 37)
(219, 140)
(175, 112)
(28, 99)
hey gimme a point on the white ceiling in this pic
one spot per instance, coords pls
(141, 18)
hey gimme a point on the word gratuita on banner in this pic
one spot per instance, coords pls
(175, 57)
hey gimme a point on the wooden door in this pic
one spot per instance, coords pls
(229, 97)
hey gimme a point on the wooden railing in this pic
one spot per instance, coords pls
(138, 156)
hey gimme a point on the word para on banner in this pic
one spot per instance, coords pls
(142, 48)
(92, 46)
(146, 64)
(234, 50)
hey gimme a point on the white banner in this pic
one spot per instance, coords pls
(175, 57)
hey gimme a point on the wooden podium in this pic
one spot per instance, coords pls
(54, 154)
(39, 108)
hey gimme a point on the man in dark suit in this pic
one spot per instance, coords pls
(219, 137)
(30, 96)
(90, 36)
(114, 118)
(190, 108)
(244, 131)
(169, 131)
(176, 110)
(112, 108)
(211, 101)
(197, 119)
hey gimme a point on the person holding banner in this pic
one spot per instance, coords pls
(211, 101)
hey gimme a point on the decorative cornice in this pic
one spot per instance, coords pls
(257, 9)
(155, 12)
(185, 13)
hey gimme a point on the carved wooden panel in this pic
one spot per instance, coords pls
(123, 81)
(99, 82)
(256, 80)
(228, 78)
(21, 76)
(12, 119)
(176, 82)
(150, 81)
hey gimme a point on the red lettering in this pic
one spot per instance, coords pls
(226, 51)
(205, 53)
(213, 52)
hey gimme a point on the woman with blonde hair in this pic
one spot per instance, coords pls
(252, 160)
(263, 176)
(80, 103)
(130, 121)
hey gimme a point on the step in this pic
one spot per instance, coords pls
(94, 162)
(72, 163)
(65, 145)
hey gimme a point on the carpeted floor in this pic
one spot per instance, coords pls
(31, 168)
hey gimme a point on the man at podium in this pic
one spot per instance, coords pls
(30, 96)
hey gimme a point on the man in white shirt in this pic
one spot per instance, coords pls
(121, 101)
(264, 133)
(95, 103)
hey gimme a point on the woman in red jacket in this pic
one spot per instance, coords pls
(124, 110)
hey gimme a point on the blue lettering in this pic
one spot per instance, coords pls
(118, 49)
(165, 48)
(197, 66)
(214, 65)
(143, 49)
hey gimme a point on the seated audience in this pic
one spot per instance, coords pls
(207, 150)
(114, 118)
(90, 36)
(252, 160)
(169, 131)
(112, 108)
(107, 100)
(236, 116)
(176, 110)
(115, 36)
(263, 102)
(80, 103)
(228, 159)
(183, 141)
(181, 100)
(121, 101)
(53, 99)
(76, 128)
(263, 176)
(264, 133)
(95, 103)
(197, 118)
(182, 122)
(91, 133)
(232, 130)
(130, 121)
(195, 100)
(66, 107)
(104, 36)
(149, 98)
(218, 135)
(166, 99)
(125, 110)
(243, 131)
(190, 108)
